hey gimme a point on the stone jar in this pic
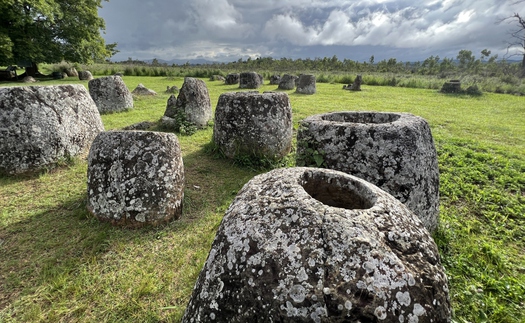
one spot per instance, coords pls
(318, 245)
(232, 78)
(394, 151)
(287, 82)
(142, 90)
(306, 84)
(253, 124)
(275, 79)
(85, 76)
(250, 80)
(135, 178)
(41, 125)
(110, 94)
(193, 102)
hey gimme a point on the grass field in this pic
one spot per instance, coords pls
(59, 264)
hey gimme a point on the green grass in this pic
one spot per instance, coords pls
(59, 264)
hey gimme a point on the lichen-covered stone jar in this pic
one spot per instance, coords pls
(318, 245)
(306, 84)
(110, 94)
(253, 124)
(394, 151)
(193, 103)
(40, 125)
(135, 178)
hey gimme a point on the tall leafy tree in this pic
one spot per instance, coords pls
(49, 31)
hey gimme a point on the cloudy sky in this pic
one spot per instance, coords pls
(226, 30)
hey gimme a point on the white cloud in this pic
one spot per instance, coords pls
(408, 27)
(220, 19)
(274, 27)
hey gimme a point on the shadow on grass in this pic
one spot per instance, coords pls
(7, 179)
(62, 237)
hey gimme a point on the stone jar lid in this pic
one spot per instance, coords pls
(318, 245)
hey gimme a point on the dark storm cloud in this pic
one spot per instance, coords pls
(229, 29)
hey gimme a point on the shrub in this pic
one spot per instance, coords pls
(322, 78)
(473, 90)
(128, 71)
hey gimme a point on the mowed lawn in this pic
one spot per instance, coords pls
(59, 264)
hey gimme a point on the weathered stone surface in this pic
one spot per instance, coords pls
(275, 79)
(135, 178)
(217, 78)
(169, 123)
(39, 125)
(306, 84)
(110, 94)
(250, 80)
(193, 102)
(29, 79)
(287, 82)
(58, 75)
(71, 72)
(318, 245)
(297, 80)
(142, 90)
(394, 151)
(356, 86)
(250, 123)
(85, 76)
(232, 78)
(172, 89)
(452, 86)
(171, 107)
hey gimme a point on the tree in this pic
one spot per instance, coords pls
(518, 35)
(485, 53)
(49, 31)
(430, 65)
(466, 59)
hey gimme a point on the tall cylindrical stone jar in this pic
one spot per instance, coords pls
(253, 124)
(306, 84)
(135, 178)
(394, 151)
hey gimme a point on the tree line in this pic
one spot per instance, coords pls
(464, 63)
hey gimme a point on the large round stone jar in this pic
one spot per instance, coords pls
(253, 124)
(287, 82)
(110, 94)
(306, 84)
(394, 151)
(193, 103)
(40, 125)
(135, 178)
(318, 245)
(250, 80)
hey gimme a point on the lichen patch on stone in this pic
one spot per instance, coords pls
(282, 255)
